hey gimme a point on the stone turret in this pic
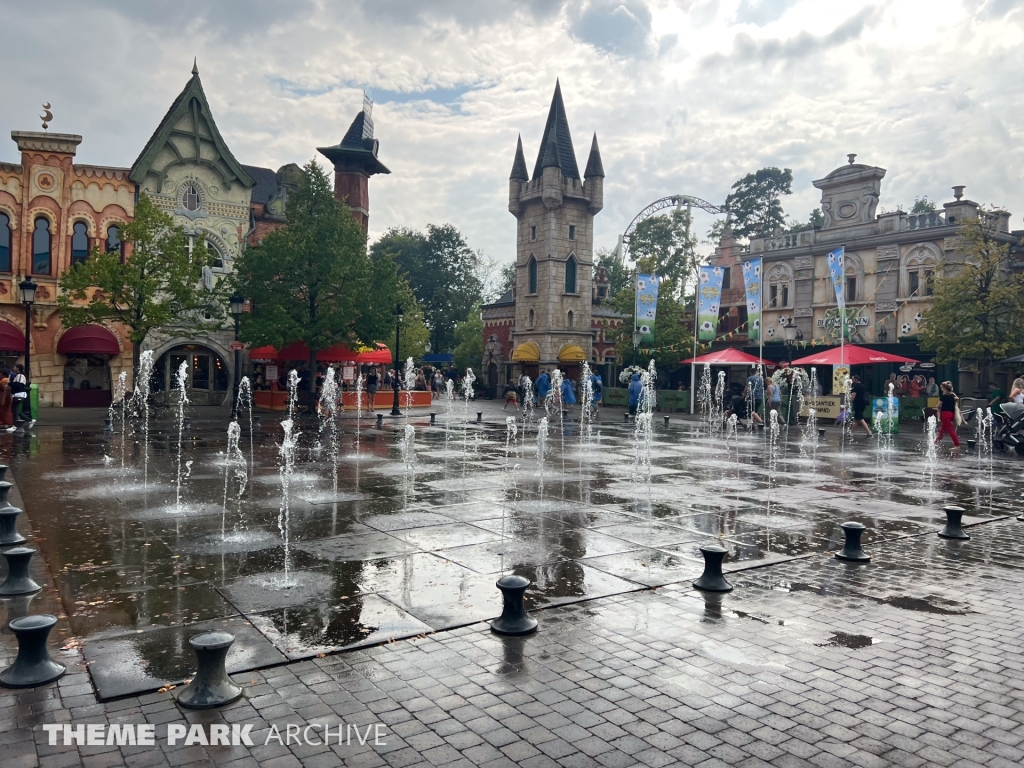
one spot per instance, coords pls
(594, 178)
(517, 178)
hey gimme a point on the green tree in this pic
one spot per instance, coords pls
(977, 309)
(666, 246)
(507, 278)
(754, 202)
(619, 275)
(469, 342)
(309, 281)
(386, 291)
(160, 282)
(443, 272)
(923, 205)
(673, 335)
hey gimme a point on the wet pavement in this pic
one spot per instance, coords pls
(807, 660)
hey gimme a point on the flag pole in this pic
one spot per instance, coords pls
(693, 365)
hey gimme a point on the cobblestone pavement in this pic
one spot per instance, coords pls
(912, 660)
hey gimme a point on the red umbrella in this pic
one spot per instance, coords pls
(265, 354)
(380, 354)
(297, 350)
(727, 356)
(851, 354)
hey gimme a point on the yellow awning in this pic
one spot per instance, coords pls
(571, 353)
(527, 352)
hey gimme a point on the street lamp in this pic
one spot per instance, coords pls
(399, 314)
(28, 297)
(793, 335)
(882, 334)
(237, 305)
(637, 338)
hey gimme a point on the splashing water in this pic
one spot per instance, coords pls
(773, 453)
(409, 452)
(293, 392)
(542, 445)
(467, 395)
(704, 398)
(359, 409)
(329, 396)
(140, 404)
(718, 403)
(234, 464)
(409, 381)
(245, 398)
(182, 378)
(449, 397)
(643, 433)
(586, 404)
(120, 400)
(983, 434)
(527, 402)
(287, 468)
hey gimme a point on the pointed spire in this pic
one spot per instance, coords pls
(519, 164)
(594, 165)
(195, 66)
(556, 145)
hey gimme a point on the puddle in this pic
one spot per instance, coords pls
(845, 640)
(929, 604)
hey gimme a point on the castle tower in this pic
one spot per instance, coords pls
(555, 247)
(355, 161)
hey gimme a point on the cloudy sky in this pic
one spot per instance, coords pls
(685, 95)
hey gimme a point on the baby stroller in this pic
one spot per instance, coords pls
(1008, 428)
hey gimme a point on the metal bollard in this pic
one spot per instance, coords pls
(108, 425)
(625, 417)
(666, 421)
(852, 551)
(821, 433)
(972, 444)
(380, 421)
(954, 528)
(256, 423)
(5, 488)
(3, 472)
(514, 619)
(713, 580)
(9, 535)
(433, 418)
(479, 416)
(33, 665)
(212, 686)
(18, 581)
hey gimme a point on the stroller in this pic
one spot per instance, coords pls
(1008, 428)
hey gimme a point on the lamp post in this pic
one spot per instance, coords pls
(637, 338)
(882, 334)
(399, 314)
(237, 305)
(28, 297)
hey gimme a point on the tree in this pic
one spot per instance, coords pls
(159, 283)
(507, 278)
(469, 341)
(754, 201)
(977, 311)
(309, 281)
(673, 336)
(667, 248)
(923, 205)
(443, 272)
(388, 289)
(619, 275)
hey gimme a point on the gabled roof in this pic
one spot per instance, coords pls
(266, 183)
(358, 148)
(519, 164)
(556, 145)
(191, 107)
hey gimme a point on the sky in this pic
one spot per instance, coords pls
(686, 96)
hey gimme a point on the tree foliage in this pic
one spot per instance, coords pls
(443, 272)
(665, 245)
(754, 202)
(923, 205)
(387, 290)
(159, 283)
(670, 328)
(619, 275)
(507, 278)
(977, 309)
(469, 342)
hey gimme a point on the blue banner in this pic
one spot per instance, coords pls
(837, 272)
(646, 307)
(752, 284)
(709, 298)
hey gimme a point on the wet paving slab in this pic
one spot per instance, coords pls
(384, 551)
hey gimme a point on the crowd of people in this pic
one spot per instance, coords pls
(541, 392)
(14, 403)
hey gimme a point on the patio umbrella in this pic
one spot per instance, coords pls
(728, 356)
(265, 354)
(851, 354)
(1014, 359)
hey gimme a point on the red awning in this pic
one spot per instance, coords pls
(294, 351)
(339, 353)
(265, 354)
(88, 340)
(380, 354)
(851, 354)
(728, 356)
(11, 338)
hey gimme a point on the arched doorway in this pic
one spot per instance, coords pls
(87, 350)
(207, 382)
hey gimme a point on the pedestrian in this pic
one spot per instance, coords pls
(543, 385)
(635, 390)
(511, 395)
(6, 416)
(371, 389)
(948, 404)
(568, 395)
(995, 397)
(1017, 391)
(19, 393)
(596, 390)
(438, 383)
(860, 398)
(774, 396)
(755, 391)
(933, 388)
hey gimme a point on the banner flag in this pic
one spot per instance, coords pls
(838, 274)
(752, 283)
(709, 297)
(646, 308)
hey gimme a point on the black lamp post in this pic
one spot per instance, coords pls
(237, 305)
(637, 338)
(793, 335)
(28, 297)
(399, 314)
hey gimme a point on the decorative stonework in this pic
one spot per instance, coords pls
(803, 312)
(886, 306)
(888, 252)
(803, 262)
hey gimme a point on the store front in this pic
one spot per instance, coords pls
(88, 350)
(207, 380)
(12, 345)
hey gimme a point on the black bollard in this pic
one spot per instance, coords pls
(3, 472)
(513, 620)
(9, 535)
(5, 488)
(821, 433)
(712, 580)
(211, 687)
(666, 421)
(972, 444)
(33, 665)
(380, 421)
(852, 551)
(954, 528)
(18, 581)
(108, 426)
(433, 417)
(625, 417)
(479, 416)
(186, 424)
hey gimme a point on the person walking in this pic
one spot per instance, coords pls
(948, 403)
(438, 383)
(635, 390)
(19, 393)
(596, 390)
(371, 389)
(755, 390)
(774, 396)
(568, 395)
(860, 398)
(6, 416)
(542, 386)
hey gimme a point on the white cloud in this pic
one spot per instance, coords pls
(685, 96)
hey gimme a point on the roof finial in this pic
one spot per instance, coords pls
(195, 66)
(851, 158)
(47, 115)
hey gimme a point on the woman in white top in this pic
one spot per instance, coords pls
(1017, 393)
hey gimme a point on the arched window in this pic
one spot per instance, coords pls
(79, 243)
(114, 244)
(917, 272)
(41, 248)
(5, 243)
(780, 286)
(853, 291)
(191, 199)
(570, 275)
(218, 259)
(532, 273)
(529, 322)
(569, 322)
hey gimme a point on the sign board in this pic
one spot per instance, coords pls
(926, 365)
(906, 368)
(883, 419)
(271, 374)
(827, 407)
(348, 373)
(237, 346)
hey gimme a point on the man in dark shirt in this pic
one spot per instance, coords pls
(861, 400)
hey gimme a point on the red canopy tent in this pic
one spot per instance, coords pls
(265, 354)
(339, 353)
(728, 356)
(851, 354)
